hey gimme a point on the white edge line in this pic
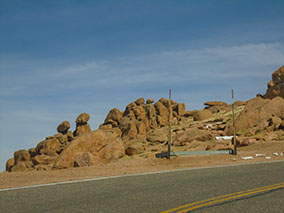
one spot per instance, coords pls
(137, 174)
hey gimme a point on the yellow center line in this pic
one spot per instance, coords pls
(229, 198)
(222, 196)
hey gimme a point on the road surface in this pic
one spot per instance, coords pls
(161, 192)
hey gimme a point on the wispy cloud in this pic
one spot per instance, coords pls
(177, 66)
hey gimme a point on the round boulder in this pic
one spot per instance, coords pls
(63, 127)
(21, 155)
(82, 118)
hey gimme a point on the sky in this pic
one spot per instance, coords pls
(59, 58)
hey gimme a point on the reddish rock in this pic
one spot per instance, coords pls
(41, 167)
(19, 167)
(82, 118)
(162, 114)
(202, 115)
(63, 127)
(83, 159)
(134, 147)
(50, 144)
(44, 159)
(276, 86)
(180, 109)
(150, 101)
(102, 144)
(275, 122)
(82, 129)
(158, 135)
(21, 155)
(130, 131)
(192, 134)
(114, 115)
(215, 103)
(244, 141)
(140, 101)
(32, 152)
(9, 164)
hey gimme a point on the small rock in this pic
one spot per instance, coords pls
(275, 154)
(259, 155)
(267, 158)
(150, 101)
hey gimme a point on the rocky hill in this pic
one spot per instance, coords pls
(142, 129)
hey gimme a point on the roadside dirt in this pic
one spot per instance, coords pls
(140, 164)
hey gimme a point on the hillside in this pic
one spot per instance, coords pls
(141, 130)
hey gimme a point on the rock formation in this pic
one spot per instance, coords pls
(88, 149)
(275, 87)
(82, 127)
(142, 128)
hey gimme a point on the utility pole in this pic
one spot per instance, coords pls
(169, 126)
(234, 126)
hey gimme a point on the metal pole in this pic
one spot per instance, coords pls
(234, 125)
(169, 136)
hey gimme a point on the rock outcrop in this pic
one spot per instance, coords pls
(275, 87)
(258, 115)
(142, 128)
(88, 149)
(82, 127)
(139, 117)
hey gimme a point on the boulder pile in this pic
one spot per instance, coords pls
(142, 128)
(57, 151)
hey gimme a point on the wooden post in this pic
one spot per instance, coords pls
(169, 126)
(234, 125)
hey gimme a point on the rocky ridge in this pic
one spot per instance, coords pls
(142, 129)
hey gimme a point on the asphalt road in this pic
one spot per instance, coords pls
(156, 192)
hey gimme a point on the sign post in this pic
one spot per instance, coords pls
(169, 126)
(234, 125)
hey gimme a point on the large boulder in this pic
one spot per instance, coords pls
(202, 115)
(63, 127)
(190, 135)
(151, 114)
(114, 117)
(158, 135)
(276, 85)
(82, 118)
(140, 101)
(133, 147)
(104, 145)
(83, 159)
(9, 164)
(162, 114)
(259, 114)
(52, 145)
(21, 155)
(82, 127)
(20, 167)
(180, 109)
(44, 159)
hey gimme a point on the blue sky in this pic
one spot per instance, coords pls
(59, 58)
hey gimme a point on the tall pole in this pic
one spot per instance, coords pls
(234, 125)
(170, 131)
